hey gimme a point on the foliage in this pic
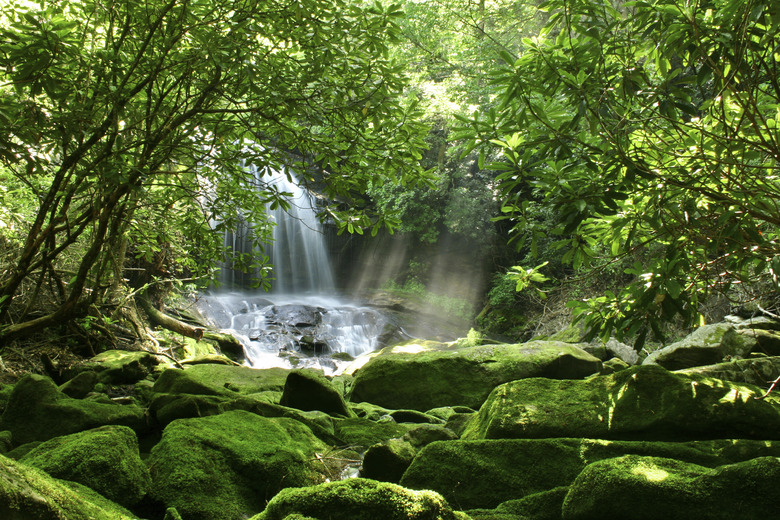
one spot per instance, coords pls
(126, 125)
(646, 124)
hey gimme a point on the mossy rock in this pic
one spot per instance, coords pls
(228, 466)
(80, 385)
(38, 411)
(546, 505)
(118, 367)
(363, 433)
(28, 493)
(644, 402)
(400, 378)
(309, 390)
(105, 459)
(358, 499)
(647, 488)
(225, 380)
(387, 461)
(483, 474)
(706, 345)
(756, 371)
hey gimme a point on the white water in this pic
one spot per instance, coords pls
(303, 283)
(329, 326)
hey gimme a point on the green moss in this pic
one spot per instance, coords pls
(364, 433)
(229, 465)
(28, 493)
(653, 487)
(358, 499)
(105, 459)
(483, 474)
(310, 390)
(220, 380)
(546, 505)
(387, 460)
(434, 377)
(647, 402)
(38, 411)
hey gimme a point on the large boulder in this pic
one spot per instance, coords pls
(28, 493)
(310, 390)
(105, 459)
(647, 488)
(430, 375)
(228, 466)
(358, 499)
(38, 411)
(119, 367)
(707, 345)
(647, 402)
(756, 371)
(486, 473)
(224, 380)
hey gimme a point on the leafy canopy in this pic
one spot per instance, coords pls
(126, 124)
(651, 127)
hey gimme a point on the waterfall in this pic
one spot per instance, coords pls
(298, 252)
(301, 321)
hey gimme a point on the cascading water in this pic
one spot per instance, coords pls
(300, 321)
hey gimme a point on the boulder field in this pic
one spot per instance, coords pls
(545, 430)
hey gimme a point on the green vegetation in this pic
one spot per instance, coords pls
(621, 155)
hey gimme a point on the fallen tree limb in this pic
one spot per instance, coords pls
(227, 343)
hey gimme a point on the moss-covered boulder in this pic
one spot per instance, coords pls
(358, 499)
(387, 461)
(117, 367)
(755, 371)
(28, 493)
(226, 380)
(228, 466)
(431, 375)
(648, 488)
(105, 459)
(362, 433)
(37, 411)
(645, 402)
(707, 345)
(546, 505)
(310, 390)
(483, 474)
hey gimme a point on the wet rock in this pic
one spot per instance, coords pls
(425, 375)
(105, 459)
(38, 411)
(707, 345)
(649, 488)
(298, 316)
(358, 499)
(229, 465)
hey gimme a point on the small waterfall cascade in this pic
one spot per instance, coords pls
(301, 321)
(298, 252)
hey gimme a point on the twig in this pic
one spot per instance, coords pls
(774, 383)
(770, 314)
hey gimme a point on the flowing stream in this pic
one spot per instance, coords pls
(302, 321)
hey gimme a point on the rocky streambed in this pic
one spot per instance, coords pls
(420, 430)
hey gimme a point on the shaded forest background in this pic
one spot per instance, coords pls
(615, 162)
